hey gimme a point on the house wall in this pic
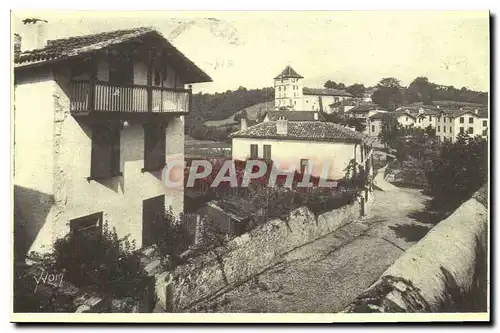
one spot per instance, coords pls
(288, 153)
(373, 127)
(443, 122)
(33, 164)
(406, 120)
(286, 96)
(311, 102)
(119, 198)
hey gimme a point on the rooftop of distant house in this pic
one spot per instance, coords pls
(66, 48)
(366, 107)
(481, 113)
(238, 209)
(295, 115)
(287, 73)
(303, 131)
(325, 92)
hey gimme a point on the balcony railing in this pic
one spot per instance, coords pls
(107, 97)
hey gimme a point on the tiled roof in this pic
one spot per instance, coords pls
(482, 113)
(304, 130)
(325, 92)
(366, 107)
(295, 115)
(65, 48)
(379, 116)
(288, 72)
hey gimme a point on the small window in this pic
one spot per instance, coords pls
(430, 118)
(406, 118)
(154, 147)
(485, 123)
(461, 120)
(470, 130)
(89, 226)
(485, 132)
(105, 155)
(450, 129)
(439, 129)
(254, 151)
(461, 129)
(267, 152)
(304, 164)
(471, 120)
(279, 88)
(157, 76)
(373, 128)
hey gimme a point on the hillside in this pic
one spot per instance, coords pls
(220, 106)
(252, 112)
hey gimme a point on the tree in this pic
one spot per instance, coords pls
(334, 85)
(388, 93)
(458, 171)
(420, 90)
(357, 90)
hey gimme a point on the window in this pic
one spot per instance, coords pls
(105, 155)
(154, 146)
(470, 130)
(419, 119)
(461, 120)
(267, 152)
(450, 129)
(461, 129)
(254, 151)
(279, 88)
(89, 226)
(373, 128)
(430, 118)
(439, 129)
(471, 120)
(485, 132)
(304, 163)
(485, 123)
(406, 118)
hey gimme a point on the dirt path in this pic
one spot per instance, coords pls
(324, 276)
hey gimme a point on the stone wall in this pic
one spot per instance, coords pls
(446, 271)
(224, 268)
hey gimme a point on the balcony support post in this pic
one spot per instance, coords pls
(92, 81)
(190, 98)
(150, 81)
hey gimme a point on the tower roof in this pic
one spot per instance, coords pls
(288, 72)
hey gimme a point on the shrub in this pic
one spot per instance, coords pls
(107, 263)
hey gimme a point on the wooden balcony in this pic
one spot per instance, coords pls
(96, 97)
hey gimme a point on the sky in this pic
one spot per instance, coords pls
(250, 48)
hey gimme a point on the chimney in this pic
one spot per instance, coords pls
(17, 45)
(33, 34)
(315, 116)
(476, 111)
(281, 126)
(243, 123)
(438, 106)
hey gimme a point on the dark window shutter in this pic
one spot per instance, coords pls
(105, 156)
(254, 152)
(154, 146)
(267, 152)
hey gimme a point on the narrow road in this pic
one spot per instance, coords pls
(324, 276)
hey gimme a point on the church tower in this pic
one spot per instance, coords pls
(288, 90)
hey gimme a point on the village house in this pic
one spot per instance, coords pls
(423, 115)
(375, 123)
(404, 118)
(96, 119)
(473, 122)
(303, 146)
(290, 94)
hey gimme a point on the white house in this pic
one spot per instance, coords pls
(471, 121)
(290, 94)
(424, 115)
(296, 145)
(375, 123)
(96, 119)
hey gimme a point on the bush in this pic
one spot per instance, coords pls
(172, 236)
(106, 263)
